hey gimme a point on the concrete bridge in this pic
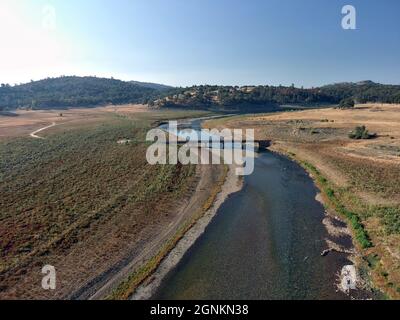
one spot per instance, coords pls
(259, 144)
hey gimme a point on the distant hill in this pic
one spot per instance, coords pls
(75, 92)
(267, 97)
(92, 91)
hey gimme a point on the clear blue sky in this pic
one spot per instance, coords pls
(185, 42)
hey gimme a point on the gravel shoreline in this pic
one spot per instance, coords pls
(146, 290)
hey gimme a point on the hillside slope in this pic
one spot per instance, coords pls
(74, 92)
(91, 91)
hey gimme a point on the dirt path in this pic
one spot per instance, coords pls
(231, 185)
(101, 286)
(34, 134)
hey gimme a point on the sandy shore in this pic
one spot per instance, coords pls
(231, 185)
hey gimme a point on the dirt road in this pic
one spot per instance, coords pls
(34, 133)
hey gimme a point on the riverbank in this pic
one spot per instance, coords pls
(231, 184)
(141, 266)
(265, 243)
(343, 238)
(360, 176)
(338, 245)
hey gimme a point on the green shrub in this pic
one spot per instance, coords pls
(361, 132)
(346, 104)
(330, 193)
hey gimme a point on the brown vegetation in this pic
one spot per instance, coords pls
(78, 200)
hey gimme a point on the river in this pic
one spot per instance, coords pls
(264, 243)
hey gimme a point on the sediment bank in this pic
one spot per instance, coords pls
(231, 185)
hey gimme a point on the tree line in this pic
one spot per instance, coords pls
(209, 96)
(92, 91)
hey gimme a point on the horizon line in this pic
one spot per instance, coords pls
(194, 85)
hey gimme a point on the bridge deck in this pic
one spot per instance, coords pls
(262, 144)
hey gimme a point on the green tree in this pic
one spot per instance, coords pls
(346, 104)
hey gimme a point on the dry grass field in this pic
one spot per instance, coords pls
(361, 176)
(80, 201)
